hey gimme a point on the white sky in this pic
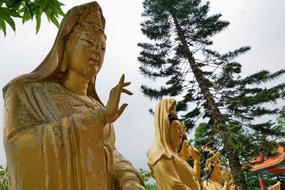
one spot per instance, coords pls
(258, 23)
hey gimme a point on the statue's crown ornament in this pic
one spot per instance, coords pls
(91, 18)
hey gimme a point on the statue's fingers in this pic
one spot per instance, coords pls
(121, 82)
(126, 91)
(121, 110)
(126, 84)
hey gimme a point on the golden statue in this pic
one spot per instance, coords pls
(167, 167)
(216, 177)
(276, 186)
(186, 151)
(58, 134)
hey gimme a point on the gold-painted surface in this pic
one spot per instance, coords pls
(188, 151)
(218, 179)
(168, 168)
(276, 186)
(58, 135)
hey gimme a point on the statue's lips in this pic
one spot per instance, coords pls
(93, 62)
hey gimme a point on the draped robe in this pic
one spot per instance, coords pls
(177, 175)
(55, 140)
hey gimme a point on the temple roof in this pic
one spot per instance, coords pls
(274, 164)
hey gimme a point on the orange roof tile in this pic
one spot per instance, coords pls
(270, 162)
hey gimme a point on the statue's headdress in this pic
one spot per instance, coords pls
(91, 19)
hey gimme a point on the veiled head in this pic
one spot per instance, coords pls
(77, 22)
(84, 46)
(162, 142)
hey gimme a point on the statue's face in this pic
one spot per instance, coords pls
(184, 152)
(175, 134)
(86, 53)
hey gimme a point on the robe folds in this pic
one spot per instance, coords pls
(212, 185)
(177, 174)
(55, 140)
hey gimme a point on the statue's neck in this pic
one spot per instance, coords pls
(76, 83)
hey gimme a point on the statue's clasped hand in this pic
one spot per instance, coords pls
(112, 109)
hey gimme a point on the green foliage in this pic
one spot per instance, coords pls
(28, 10)
(281, 119)
(165, 57)
(146, 177)
(239, 143)
(150, 187)
(269, 179)
(3, 178)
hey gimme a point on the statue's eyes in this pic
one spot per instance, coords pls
(88, 41)
(95, 46)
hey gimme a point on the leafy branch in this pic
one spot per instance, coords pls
(28, 10)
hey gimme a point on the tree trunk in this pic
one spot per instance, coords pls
(235, 166)
(202, 82)
(216, 114)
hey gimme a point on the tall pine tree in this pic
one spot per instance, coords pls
(205, 81)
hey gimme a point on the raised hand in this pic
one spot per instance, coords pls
(113, 111)
(194, 153)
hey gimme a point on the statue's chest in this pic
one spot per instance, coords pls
(66, 104)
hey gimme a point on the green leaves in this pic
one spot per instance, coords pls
(3, 178)
(6, 15)
(28, 10)
(38, 20)
(146, 177)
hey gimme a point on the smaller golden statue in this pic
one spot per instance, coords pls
(167, 167)
(276, 186)
(215, 176)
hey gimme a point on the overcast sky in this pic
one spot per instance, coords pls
(258, 23)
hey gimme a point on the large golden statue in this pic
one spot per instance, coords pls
(168, 168)
(58, 134)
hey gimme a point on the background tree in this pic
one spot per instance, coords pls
(281, 119)
(203, 80)
(3, 178)
(28, 10)
(147, 179)
(269, 179)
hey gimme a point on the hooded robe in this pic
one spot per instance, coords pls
(170, 171)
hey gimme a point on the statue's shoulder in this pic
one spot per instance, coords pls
(20, 87)
(45, 88)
